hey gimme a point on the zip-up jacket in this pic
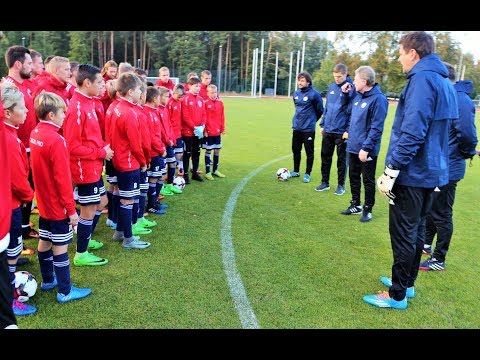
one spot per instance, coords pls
(419, 139)
(308, 109)
(369, 111)
(49, 160)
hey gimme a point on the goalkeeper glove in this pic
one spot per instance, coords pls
(386, 181)
(198, 131)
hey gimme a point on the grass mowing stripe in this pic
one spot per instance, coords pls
(237, 290)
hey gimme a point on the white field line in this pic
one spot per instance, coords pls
(237, 290)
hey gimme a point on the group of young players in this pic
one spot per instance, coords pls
(89, 126)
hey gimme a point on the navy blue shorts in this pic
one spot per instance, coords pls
(89, 194)
(58, 232)
(212, 142)
(15, 246)
(179, 146)
(110, 172)
(143, 182)
(170, 158)
(155, 170)
(129, 184)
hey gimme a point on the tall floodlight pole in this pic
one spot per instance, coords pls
(261, 68)
(303, 55)
(462, 77)
(276, 73)
(23, 41)
(290, 74)
(219, 68)
(254, 68)
(298, 63)
(256, 71)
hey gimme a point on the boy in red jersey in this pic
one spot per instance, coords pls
(214, 128)
(108, 72)
(174, 107)
(87, 151)
(15, 114)
(158, 150)
(124, 128)
(206, 78)
(51, 174)
(110, 172)
(169, 141)
(164, 79)
(193, 124)
(7, 317)
(140, 225)
(56, 78)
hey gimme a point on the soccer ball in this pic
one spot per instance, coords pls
(283, 174)
(179, 182)
(25, 286)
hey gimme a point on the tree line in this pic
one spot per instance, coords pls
(186, 51)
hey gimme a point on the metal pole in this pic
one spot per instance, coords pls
(303, 55)
(276, 73)
(253, 73)
(298, 63)
(463, 72)
(219, 68)
(138, 63)
(290, 74)
(23, 41)
(261, 69)
(256, 72)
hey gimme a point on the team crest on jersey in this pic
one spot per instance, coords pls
(363, 105)
(199, 103)
(305, 98)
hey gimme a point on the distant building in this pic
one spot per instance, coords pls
(316, 34)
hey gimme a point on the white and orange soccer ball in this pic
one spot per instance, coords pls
(25, 286)
(179, 182)
(283, 174)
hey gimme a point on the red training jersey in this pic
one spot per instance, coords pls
(125, 140)
(155, 127)
(174, 108)
(5, 189)
(215, 117)
(84, 139)
(21, 190)
(193, 113)
(26, 128)
(49, 159)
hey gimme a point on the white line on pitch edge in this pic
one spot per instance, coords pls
(237, 290)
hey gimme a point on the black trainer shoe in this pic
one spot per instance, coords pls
(187, 179)
(197, 177)
(366, 214)
(352, 209)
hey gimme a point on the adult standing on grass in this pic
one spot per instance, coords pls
(369, 110)
(308, 110)
(462, 141)
(333, 126)
(417, 161)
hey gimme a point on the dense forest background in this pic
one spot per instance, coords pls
(228, 54)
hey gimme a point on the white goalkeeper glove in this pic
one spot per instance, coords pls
(386, 181)
(198, 131)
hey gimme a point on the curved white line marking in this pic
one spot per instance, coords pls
(237, 290)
